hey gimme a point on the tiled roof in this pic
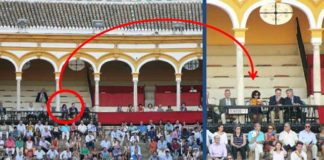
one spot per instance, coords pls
(51, 14)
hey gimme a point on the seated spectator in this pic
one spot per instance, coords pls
(159, 108)
(105, 143)
(151, 134)
(229, 157)
(270, 139)
(65, 111)
(82, 128)
(275, 110)
(167, 155)
(288, 138)
(132, 128)
(256, 102)
(299, 154)
(105, 155)
(153, 146)
(39, 154)
(73, 111)
(295, 111)
(29, 148)
(42, 96)
(130, 108)
(278, 153)
(134, 138)
(222, 135)
(100, 130)
(227, 101)
(162, 146)
(175, 148)
(47, 135)
(142, 131)
(92, 128)
(86, 114)
(238, 143)
(56, 131)
(217, 150)
(30, 114)
(308, 138)
(21, 127)
(160, 129)
(140, 108)
(150, 108)
(19, 145)
(119, 109)
(10, 145)
(84, 151)
(183, 108)
(198, 135)
(55, 143)
(168, 127)
(169, 109)
(45, 145)
(65, 130)
(89, 140)
(66, 154)
(39, 126)
(117, 134)
(52, 153)
(2, 144)
(320, 143)
(154, 156)
(136, 153)
(256, 140)
(151, 124)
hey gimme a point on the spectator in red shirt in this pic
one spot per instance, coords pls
(10, 146)
(175, 148)
(140, 108)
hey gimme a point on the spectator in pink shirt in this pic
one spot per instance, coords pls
(10, 146)
(217, 150)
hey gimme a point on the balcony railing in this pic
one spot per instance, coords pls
(295, 115)
(9, 117)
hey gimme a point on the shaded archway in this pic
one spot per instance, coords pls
(8, 84)
(116, 85)
(158, 77)
(36, 75)
(191, 83)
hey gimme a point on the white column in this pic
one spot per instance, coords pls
(178, 80)
(57, 98)
(18, 79)
(97, 81)
(317, 73)
(135, 98)
(239, 76)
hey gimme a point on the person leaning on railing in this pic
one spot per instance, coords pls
(256, 102)
(275, 102)
(295, 111)
(227, 101)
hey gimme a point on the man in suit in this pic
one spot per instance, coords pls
(294, 109)
(275, 102)
(227, 101)
(42, 96)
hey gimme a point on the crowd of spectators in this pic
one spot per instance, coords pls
(268, 145)
(151, 108)
(165, 141)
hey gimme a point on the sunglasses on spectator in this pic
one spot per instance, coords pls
(307, 126)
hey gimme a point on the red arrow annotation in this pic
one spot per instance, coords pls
(252, 72)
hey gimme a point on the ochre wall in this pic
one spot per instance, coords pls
(259, 32)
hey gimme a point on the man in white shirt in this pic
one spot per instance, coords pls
(45, 145)
(309, 139)
(105, 143)
(39, 154)
(21, 128)
(288, 138)
(91, 127)
(40, 126)
(66, 154)
(118, 134)
(82, 128)
(89, 139)
(298, 154)
(52, 154)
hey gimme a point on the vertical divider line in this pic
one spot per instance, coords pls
(204, 78)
